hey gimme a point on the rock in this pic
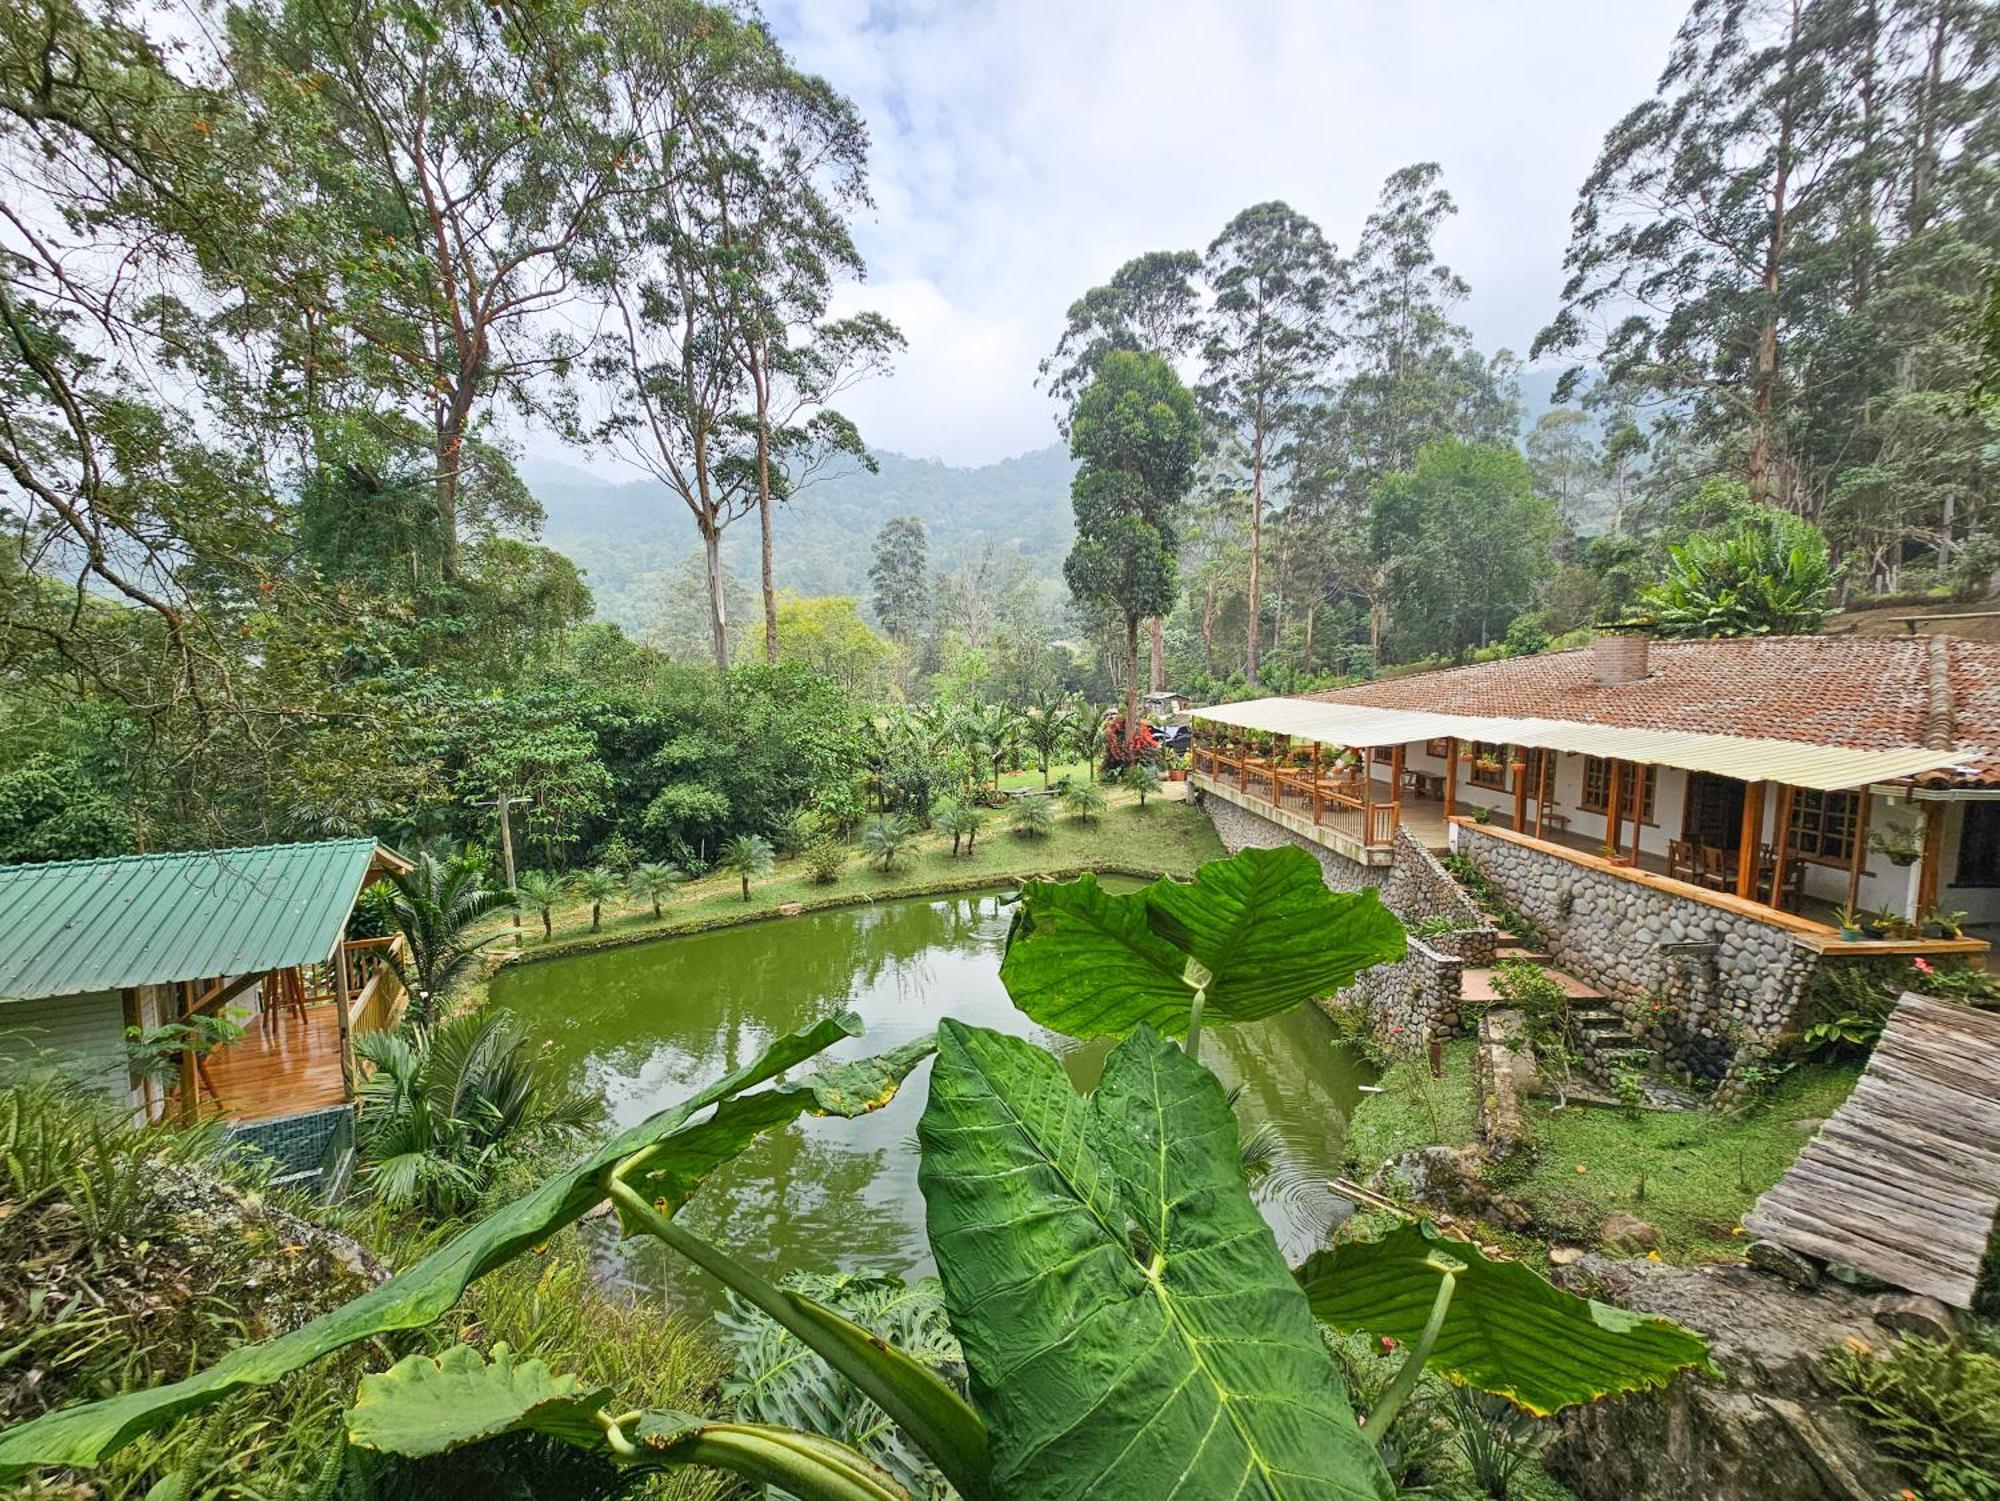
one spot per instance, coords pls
(790, 909)
(1809, 1124)
(1912, 1313)
(1628, 1233)
(1763, 1431)
(1565, 1255)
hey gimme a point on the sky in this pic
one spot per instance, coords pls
(1024, 149)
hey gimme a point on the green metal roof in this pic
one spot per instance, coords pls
(75, 926)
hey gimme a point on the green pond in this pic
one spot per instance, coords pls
(643, 1026)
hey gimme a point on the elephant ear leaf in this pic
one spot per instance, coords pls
(1128, 1322)
(1260, 932)
(1508, 1330)
(422, 1406)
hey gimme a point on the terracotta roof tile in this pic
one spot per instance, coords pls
(1862, 693)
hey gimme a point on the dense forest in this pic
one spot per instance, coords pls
(277, 281)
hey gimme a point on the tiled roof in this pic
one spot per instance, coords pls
(1862, 693)
(74, 926)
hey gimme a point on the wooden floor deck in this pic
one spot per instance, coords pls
(295, 1067)
(1903, 1181)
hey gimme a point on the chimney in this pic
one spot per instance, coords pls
(1619, 658)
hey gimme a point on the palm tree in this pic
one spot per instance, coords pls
(654, 883)
(887, 839)
(1144, 778)
(541, 891)
(598, 886)
(748, 855)
(1085, 800)
(1087, 738)
(1032, 817)
(444, 1104)
(1050, 730)
(962, 821)
(432, 905)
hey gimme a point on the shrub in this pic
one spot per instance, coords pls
(1934, 1408)
(888, 838)
(824, 858)
(963, 822)
(1085, 801)
(1143, 777)
(1032, 818)
(747, 856)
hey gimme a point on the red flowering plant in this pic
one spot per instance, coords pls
(1122, 752)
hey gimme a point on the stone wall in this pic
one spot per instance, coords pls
(1693, 981)
(313, 1145)
(1416, 998)
(1239, 828)
(1420, 889)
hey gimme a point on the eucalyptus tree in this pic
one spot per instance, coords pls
(454, 159)
(1136, 436)
(1151, 305)
(900, 577)
(1271, 333)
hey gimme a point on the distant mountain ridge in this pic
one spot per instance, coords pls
(628, 536)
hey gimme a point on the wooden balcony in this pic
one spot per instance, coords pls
(1352, 805)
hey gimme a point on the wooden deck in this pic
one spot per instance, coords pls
(296, 1067)
(1903, 1181)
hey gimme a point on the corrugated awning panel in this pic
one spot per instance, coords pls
(76, 926)
(1745, 758)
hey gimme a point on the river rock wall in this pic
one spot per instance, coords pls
(1238, 828)
(1697, 983)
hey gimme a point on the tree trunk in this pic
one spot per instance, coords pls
(1306, 658)
(1157, 631)
(718, 615)
(1131, 685)
(1208, 626)
(1254, 630)
(1923, 171)
(763, 389)
(1760, 458)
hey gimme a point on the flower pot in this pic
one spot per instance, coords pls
(1851, 935)
(1903, 860)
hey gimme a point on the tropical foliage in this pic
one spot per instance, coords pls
(433, 906)
(746, 857)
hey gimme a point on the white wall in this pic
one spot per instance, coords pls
(86, 1033)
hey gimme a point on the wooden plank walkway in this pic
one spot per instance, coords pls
(295, 1067)
(1903, 1180)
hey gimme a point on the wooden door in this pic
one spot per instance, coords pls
(1713, 814)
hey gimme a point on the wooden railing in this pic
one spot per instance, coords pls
(377, 1002)
(1341, 800)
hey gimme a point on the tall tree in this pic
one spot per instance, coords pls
(1277, 285)
(1562, 452)
(1136, 435)
(900, 576)
(1150, 305)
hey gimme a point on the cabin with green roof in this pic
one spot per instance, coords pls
(91, 949)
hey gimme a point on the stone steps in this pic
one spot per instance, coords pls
(1476, 984)
(1511, 949)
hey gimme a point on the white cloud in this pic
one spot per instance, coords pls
(1024, 148)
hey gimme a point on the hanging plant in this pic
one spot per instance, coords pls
(1900, 845)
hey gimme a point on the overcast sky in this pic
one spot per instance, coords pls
(1024, 148)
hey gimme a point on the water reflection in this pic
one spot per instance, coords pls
(643, 1026)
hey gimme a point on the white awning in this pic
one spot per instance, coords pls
(1743, 757)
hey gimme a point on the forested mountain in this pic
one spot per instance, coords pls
(629, 537)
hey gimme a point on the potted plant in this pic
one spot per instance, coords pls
(1481, 813)
(1849, 922)
(1948, 924)
(1900, 845)
(1877, 924)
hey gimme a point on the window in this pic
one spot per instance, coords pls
(1823, 825)
(1597, 787)
(1489, 765)
(1979, 846)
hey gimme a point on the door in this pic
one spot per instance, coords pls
(1714, 812)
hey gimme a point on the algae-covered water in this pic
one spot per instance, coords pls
(643, 1026)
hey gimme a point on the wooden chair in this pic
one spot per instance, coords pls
(1714, 869)
(1680, 860)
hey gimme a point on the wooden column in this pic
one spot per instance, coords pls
(188, 1088)
(1367, 787)
(340, 1002)
(1396, 774)
(1318, 800)
(1450, 776)
(1933, 855)
(1543, 760)
(1520, 770)
(1859, 859)
(1638, 795)
(1750, 840)
(1781, 844)
(1614, 805)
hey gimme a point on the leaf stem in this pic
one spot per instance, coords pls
(1193, 1043)
(1413, 1365)
(935, 1417)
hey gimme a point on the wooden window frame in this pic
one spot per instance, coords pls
(1600, 803)
(1480, 778)
(1820, 804)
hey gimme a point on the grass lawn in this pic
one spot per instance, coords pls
(1692, 1174)
(1168, 837)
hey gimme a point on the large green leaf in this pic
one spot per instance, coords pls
(1263, 930)
(422, 1405)
(1508, 1330)
(1129, 1324)
(84, 1435)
